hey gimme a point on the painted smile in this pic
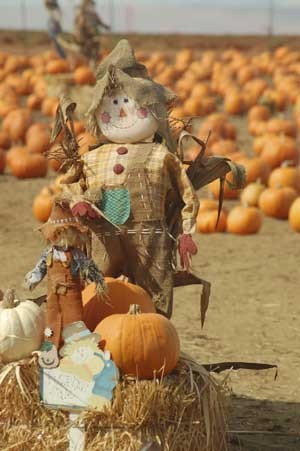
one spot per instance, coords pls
(47, 362)
(122, 127)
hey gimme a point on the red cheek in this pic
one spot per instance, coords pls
(142, 113)
(105, 117)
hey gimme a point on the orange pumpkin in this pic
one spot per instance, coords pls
(28, 165)
(16, 123)
(285, 176)
(84, 75)
(244, 220)
(255, 168)
(224, 147)
(285, 126)
(33, 102)
(151, 351)
(229, 193)
(260, 141)
(276, 202)
(42, 205)
(58, 66)
(259, 113)
(279, 149)
(49, 106)
(234, 103)
(207, 221)
(15, 152)
(2, 161)
(209, 205)
(38, 138)
(257, 128)
(294, 215)
(120, 295)
(4, 139)
(86, 140)
(251, 193)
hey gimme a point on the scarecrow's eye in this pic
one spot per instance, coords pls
(115, 101)
(125, 100)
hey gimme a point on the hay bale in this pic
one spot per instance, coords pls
(24, 422)
(182, 411)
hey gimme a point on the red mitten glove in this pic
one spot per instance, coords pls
(186, 248)
(84, 209)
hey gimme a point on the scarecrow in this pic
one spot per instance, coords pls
(66, 265)
(54, 25)
(88, 27)
(123, 186)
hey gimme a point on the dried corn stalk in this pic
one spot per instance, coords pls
(68, 151)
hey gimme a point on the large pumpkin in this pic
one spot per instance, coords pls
(28, 165)
(21, 328)
(42, 205)
(276, 202)
(251, 193)
(143, 345)
(2, 160)
(285, 176)
(244, 220)
(207, 221)
(121, 295)
(294, 215)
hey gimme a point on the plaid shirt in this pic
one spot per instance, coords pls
(115, 166)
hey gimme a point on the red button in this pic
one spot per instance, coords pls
(118, 168)
(122, 150)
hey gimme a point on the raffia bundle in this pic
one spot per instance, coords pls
(183, 411)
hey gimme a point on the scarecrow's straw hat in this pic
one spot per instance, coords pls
(61, 217)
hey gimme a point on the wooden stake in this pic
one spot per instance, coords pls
(76, 433)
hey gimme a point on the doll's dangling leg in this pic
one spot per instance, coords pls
(48, 357)
(53, 320)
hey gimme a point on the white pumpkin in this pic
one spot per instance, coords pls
(21, 328)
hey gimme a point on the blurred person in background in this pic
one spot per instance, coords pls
(54, 25)
(88, 28)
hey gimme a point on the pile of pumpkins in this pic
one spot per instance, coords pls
(152, 351)
(27, 112)
(213, 84)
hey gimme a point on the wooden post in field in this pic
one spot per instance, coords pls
(271, 21)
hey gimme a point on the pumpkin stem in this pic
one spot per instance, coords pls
(134, 309)
(287, 164)
(8, 299)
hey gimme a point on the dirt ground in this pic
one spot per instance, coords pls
(253, 314)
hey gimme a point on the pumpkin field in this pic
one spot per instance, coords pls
(245, 96)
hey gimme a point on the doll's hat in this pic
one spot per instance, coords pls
(76, 332)
(61, 217)
(122, 57)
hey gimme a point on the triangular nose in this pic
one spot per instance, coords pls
(122, 113)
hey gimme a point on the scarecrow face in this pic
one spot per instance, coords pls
(49, 359)
(122, 120)
(82, 354)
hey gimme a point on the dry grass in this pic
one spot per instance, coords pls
(183, 411)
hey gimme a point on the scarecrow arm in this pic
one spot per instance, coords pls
(88, 270)
(36, 275)
(189, 197)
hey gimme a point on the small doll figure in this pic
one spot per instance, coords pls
(66, 264)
